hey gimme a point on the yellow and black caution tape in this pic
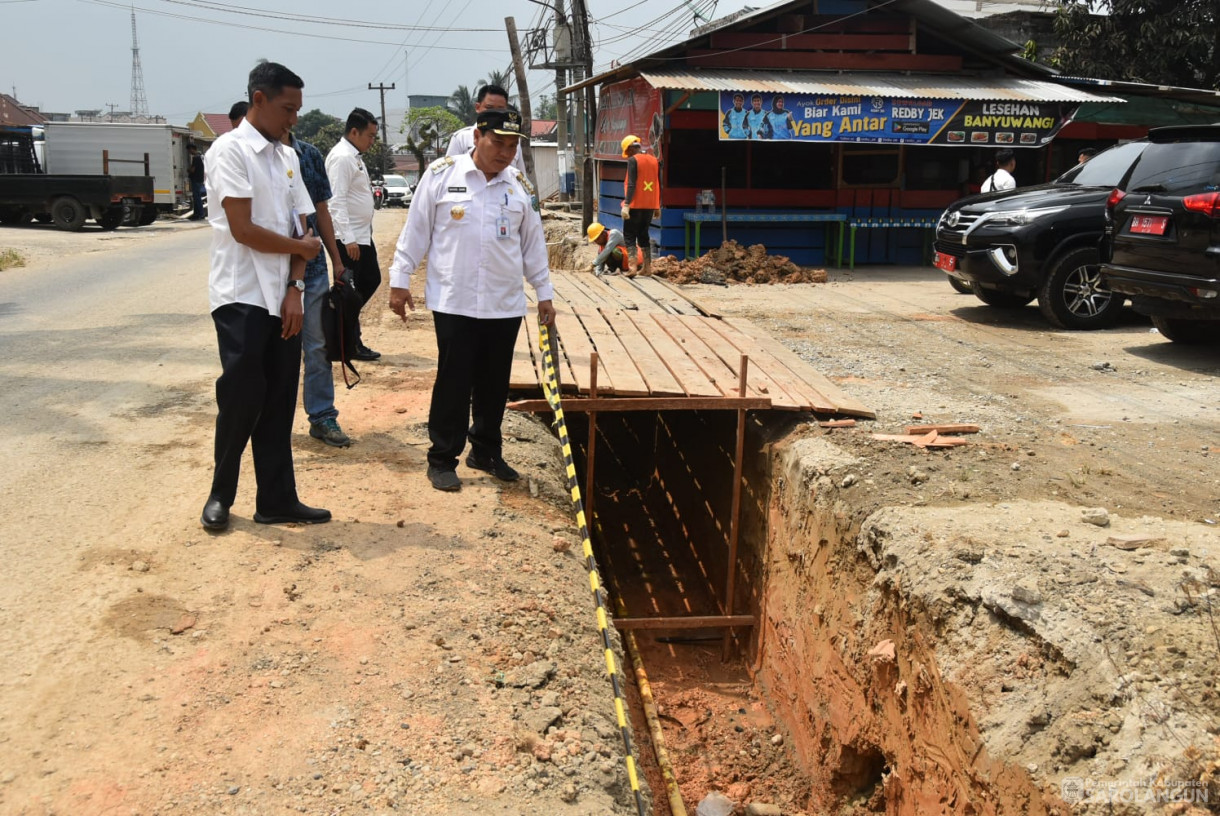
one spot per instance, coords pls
(550, 388)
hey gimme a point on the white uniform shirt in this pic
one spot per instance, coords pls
(455, 220)
(463, 140)
(243, 164)
(999, 180)
(351, 205)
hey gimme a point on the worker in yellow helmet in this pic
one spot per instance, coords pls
(613, 256)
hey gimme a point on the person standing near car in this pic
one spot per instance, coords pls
(196, 175)
(1001, 179)
(260, 244)
(489, 96)
(351, 209)
(475, 219)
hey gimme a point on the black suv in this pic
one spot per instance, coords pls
(1039, 242)
(1162, 241)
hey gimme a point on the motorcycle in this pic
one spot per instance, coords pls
(378, 195)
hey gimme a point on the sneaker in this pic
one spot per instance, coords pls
(494, 465)
(366, 354)
(328, 431)
(446, 480)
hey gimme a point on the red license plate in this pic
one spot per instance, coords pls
(946, 262)
(1149, 224)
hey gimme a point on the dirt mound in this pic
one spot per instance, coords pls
(733, 262)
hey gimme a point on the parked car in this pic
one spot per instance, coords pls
(397, 191)
(1039, 242)
(1162, 238)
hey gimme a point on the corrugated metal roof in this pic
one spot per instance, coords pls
(927, 86)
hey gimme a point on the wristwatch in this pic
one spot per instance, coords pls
(299, 285)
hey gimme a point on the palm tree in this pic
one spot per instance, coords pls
(502, 78)
(461, 104)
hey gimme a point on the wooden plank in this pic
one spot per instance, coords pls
(723, 375)
(611, 354)
(664, 296)
(828, 397)
(688, 375)
(928, 440)
(575, 405)
(524, 374)
(757, 379)
(660, 381)
(786, 391)
(692, 622)
(703, 309)
(578, 350)
(572, 294)
(951, 428)
(591, 289)
(630, 293)
(615, 297)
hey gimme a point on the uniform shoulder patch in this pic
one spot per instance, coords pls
(529, 188)
(440, 164)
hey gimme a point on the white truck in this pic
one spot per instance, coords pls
(118, 149)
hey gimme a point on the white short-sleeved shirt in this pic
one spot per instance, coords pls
(463, 140)
(999, 180)
(244, 164)
(456, 219)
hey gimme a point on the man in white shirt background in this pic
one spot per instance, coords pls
(1001, 179)
(489, 96)
(474, 217)
(260, 243)
(351, 209)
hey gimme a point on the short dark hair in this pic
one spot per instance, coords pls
(490, 89)
(359, 119)
(1004, 157)
(192, 147)
(1088, 152)
(738, 96)
(239, 110)
(271, 78)
(756, 96)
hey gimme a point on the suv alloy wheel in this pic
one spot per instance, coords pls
(1073, 297)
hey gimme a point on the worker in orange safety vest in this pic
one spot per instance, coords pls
(641, 199)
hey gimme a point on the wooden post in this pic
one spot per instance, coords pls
(523, 97)
(105, 162)
(724, 208)
(592, 442)
(735, 520)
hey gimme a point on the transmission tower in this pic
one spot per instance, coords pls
(139, 102)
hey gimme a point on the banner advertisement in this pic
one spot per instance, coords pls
(829, 118)
(630, 107)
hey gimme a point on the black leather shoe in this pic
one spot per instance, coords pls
(446, 480)
(215, 515)
(298, 514)
(494, 465)
(366, 353)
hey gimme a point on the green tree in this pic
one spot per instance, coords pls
(545, 107)
(461, 104)
(327, 136)
(379, 159)
(428, 130)
(502, 78)
(310, 123)
(1162, 42)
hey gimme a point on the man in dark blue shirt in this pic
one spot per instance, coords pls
(319, 391)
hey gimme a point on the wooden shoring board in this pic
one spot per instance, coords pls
(758, 376)
(631, 294)
(702, 307)
(600, 292)
(525, 371)
(723, 375)
(611, 353)
(572, 293)
(578, 351)
(663, 295)
(659, 379)
(688, 375)
(800, 396)
(828, 397)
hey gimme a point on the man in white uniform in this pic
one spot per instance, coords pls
(1001, 179)
(489, 96)
(474, 217)
(260, 243)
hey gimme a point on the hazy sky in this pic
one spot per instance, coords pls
(67, 55)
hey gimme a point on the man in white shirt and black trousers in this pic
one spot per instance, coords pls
(351, 209)
(476, 219)
(260, 243)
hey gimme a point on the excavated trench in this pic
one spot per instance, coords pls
(835, 702)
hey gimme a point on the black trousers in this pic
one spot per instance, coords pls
(256, 395)
(635, 231)
(474, 362)
(366, 274)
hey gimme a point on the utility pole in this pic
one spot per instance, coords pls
(561, 99)
(580, 20)
(523, 96)
(382, 88)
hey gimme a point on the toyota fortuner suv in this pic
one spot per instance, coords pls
(1039, 242)
(1162, 239)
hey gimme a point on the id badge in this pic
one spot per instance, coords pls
(503, 226)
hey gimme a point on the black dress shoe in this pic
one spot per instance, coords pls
(494, 465)
(215, 515)
(297, 514)
(446, 480)
(366, 353)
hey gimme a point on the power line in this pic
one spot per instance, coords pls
(209, 5)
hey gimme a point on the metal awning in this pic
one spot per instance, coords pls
(913, 86)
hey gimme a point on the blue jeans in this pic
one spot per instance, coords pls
(319, 391)
(198, 191)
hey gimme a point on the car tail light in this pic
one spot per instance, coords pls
(1116, 195)
(1206, 203)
